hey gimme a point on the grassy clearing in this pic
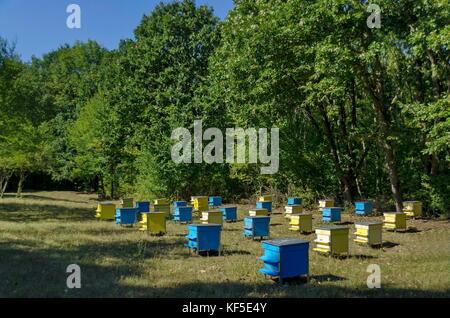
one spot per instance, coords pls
(41, 234)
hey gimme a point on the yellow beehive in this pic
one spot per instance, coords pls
(301, 222)
(106, 211)
(412, 208)
(212, 217)
(369, 233)
(394, 220)
(153, 222)
(201, 204)
(265, 198)
(160, 201)
(332, 240)
(292, 209)
(326, 203)
(127, 203)
(257, 212)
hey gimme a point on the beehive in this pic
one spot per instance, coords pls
(255, 212)
(285, 258)
(177, 204)
(295, 201)
(160, 201)
(153, 222)
(265, 198)
(412, 208)
(182, 214)
(229, 213)
(106, 211)
(332, 240)
(301, 222)
(369, 233)
(394, 220)
(127, 203)
(326, 203)
(126, 216)
(264, 205)
(204, 237)
(212, 217)
(363, 208)
(200, 204)
(332, 214)
(161, 205)
(143, 207)
(292, 209)
(256, 226)
(215, 201)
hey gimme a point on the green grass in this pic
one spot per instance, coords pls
(43, 233)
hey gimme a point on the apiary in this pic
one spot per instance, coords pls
(265, 198)
(182, 214)
(301, 222)
(127, 203)
(369, 233)
(412, 208)
(126, 216)
(153, 222)
(331, 214)
(215, 201)
(326, 203)
(229, 213)
(363, 208)
(332, 240)
(295, 201)
(204, 237)
(394, 221)
(292, 209)
(255, 212)
(285, 258)
(106, 211)
(264, 205)
(212, 217)
(256, 226)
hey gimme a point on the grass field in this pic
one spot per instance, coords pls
(43, 233)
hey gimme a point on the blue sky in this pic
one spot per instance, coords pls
(39, 26)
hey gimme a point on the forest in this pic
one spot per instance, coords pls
(363, 113)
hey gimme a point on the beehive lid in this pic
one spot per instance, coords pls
(258, 209)
(332, 228)
(228, 206)
(368, 223)
(393, 213)
(106, 203)
(285, 242)
(294, 205)
(301, 214)
(206, 225)
(216, 211)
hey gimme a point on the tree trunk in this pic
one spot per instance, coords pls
(22, 176)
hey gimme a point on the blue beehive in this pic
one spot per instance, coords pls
(255, 226)
(285, 258)
(177, 204)
(363, 208)
(215, 201)
(182, 214)
(331, 214)
(264, 205)
(126, 215)
(143, 207)
(294, 201)
(229, 213)
(204, 237)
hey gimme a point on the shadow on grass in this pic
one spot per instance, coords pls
(29, 272)
(43, 198)
(14, 212)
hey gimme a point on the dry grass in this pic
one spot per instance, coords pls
(41, 234)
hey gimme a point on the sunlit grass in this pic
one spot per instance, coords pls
(41, 234)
